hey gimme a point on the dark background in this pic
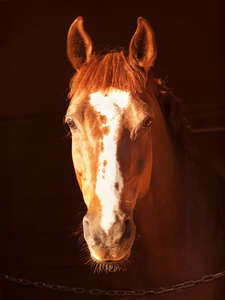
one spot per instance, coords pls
(40, 202)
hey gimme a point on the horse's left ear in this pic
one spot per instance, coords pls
(142, 50)
(79, 45)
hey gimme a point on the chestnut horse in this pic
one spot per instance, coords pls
(138, 179)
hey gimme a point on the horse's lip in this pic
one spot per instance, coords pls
(112, 261)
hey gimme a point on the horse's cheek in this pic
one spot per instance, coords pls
(79, 180)
(86, 192)
(145, 170)
(78, 157)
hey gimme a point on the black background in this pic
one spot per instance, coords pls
(40, 202)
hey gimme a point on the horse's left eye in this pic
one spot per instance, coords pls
(70, 123)
(147, 122)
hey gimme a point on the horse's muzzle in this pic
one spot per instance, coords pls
(113, 246)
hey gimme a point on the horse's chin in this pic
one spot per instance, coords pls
(110, 265)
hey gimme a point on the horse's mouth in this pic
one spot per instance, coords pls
(110, 265)
(112, 261)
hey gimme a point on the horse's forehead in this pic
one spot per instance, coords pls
(111, 104)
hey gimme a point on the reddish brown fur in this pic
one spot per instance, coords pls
(114, 70)
(102, 72)
(179, 203)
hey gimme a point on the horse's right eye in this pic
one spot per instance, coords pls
(70, 122)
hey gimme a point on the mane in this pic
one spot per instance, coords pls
(173, 111)
(114, 70)
(105, 71)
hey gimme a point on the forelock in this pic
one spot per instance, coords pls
(102, 72)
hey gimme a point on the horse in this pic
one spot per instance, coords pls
(155, 213)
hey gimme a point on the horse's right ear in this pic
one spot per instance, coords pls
(79, 45)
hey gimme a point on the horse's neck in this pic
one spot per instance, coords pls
(172, 219)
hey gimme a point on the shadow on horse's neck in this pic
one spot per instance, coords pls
(158, 215)
(175, 219)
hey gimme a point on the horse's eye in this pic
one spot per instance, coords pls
(69, 121)
(147, 122)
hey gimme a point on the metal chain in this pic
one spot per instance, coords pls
(98, 292)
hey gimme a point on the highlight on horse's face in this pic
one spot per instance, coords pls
(111, 148)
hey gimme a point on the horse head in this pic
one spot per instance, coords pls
(110, 117)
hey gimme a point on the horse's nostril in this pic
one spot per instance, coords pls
(86, 227)
(127, 231)
(85, 224)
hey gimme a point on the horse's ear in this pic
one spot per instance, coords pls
(79, 45)
(142, 49)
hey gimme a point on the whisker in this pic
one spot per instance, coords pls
(68, 136)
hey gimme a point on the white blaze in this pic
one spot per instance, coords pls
(112, 107)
